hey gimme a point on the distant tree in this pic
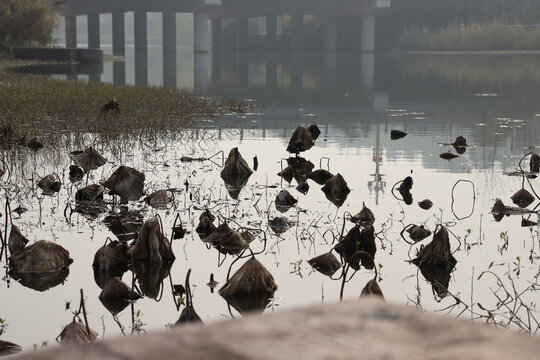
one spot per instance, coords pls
(25, 21)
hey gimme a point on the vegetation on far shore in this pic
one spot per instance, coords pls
(491, 36)
(42, 106)
(23, 21)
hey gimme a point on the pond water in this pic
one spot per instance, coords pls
(490, 100)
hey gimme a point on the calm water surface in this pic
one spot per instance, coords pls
(490, 100)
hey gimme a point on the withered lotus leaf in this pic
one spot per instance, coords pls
(372, 288)
(437, 253)
(418, 233)
(111, 257)
(125, 182)
(280, 224)
(7, 347)
(117, 290)
(251, 278)
(314, 130)
(152, 244)
(320, 176)
(522, 198)
(425, 204)
(364, 217)
(326, 264)
(448, 156)
(16, 241)
(92, 192)
(301, 140)
(76, 333)
(89, 159)
(397, 134)
(284, 198)
(235, 167)
(41, 256)
(336, 185)
(158, 198)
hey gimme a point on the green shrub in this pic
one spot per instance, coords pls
(494, 35)
(25, 21)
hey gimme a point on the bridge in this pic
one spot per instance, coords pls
(207, 25)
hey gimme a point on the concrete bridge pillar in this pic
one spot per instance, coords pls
(71, 31)
(141, 48)
(368, 33)
(169, 48)
(118, 34)
(200, 33)
(330, 69)
(367, 69)
(93, 31)
(215, 66)
(270, 24)
(330, 35)
(242, 34)
(297, 32)
(201, 72)
(215, 28)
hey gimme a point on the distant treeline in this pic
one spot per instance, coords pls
(436, 14)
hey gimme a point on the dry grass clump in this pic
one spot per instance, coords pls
(40, 105)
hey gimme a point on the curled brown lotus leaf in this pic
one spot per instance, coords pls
(300, 168)
(372, 288)
(150, 277)
(49, 183)
(406, 184)
(280, 224)
(117, 290)
(448, 156)
(418, 233)
(301, 140)
(425, 204)
(460, 142)
(326, 264)
(8, 348)
(438, 277)
(152, 244)
(76, 333)
(220, 234)
(127, 183)
(41, 256)
(235, 167)
(92, 192)
(437, 254)
(314, 131)
(287, 174)
(285, 199)
(40, 281)
(364, 217)
(17, 241)
(336, 185)
(251, 278)
(89, 159)
(320, 176)
(397, 134)
(522, 198)
(208, 214)
(205, 227)
(111, 257)
(358, 247)
(159, 198)
(75, 173)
